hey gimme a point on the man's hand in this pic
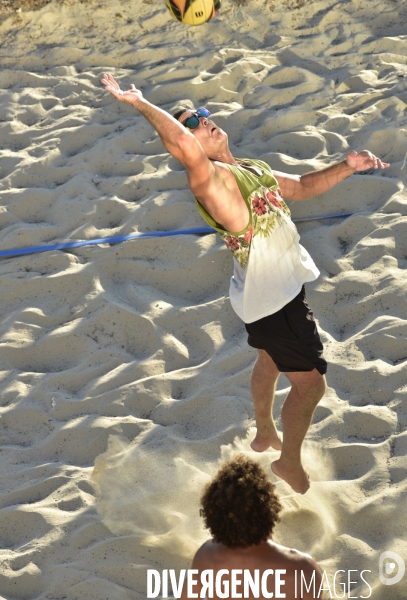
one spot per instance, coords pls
(361, 161)
(132, 96)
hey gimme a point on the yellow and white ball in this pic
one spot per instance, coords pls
(193, 12)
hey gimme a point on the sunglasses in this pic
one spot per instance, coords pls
(193, 121)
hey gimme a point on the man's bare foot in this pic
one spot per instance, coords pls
(294, 475)
(261, 443)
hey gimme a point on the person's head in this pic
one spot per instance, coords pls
(239, 505)
(211, 137)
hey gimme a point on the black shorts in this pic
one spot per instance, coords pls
(290, 337)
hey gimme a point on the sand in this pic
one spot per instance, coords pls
(129, 357)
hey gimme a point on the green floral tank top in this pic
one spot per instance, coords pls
(263, 198)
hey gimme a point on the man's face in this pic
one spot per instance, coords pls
(211, 137)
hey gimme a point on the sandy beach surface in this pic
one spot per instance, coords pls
(124, 372)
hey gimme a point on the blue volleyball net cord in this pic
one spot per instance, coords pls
(134, 236)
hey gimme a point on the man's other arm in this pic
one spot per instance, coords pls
(302, 187)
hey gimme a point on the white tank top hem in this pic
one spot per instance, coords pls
(277, 268)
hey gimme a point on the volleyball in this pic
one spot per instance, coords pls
(193, 12)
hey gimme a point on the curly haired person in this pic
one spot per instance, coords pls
(240, 508)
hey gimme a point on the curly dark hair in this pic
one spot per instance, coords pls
(239, 506)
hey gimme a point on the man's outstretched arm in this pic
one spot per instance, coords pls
(176, 138)
(302, 187)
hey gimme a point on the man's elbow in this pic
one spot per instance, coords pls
(299, 194)
(304, 191)
(185, 148)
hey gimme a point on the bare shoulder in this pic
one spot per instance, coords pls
(205, 554)
(305, 564)
(305, 561)
(301, 560)
(295, 555)
(206, 548)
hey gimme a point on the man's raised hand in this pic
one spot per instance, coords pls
(131, 96)
(361, 161)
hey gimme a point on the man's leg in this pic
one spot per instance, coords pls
(263, 385)
(307, 389)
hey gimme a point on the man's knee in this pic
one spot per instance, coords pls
(308, 383)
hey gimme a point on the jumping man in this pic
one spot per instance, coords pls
(243, 200)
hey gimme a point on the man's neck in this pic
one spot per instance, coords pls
(224, 156)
